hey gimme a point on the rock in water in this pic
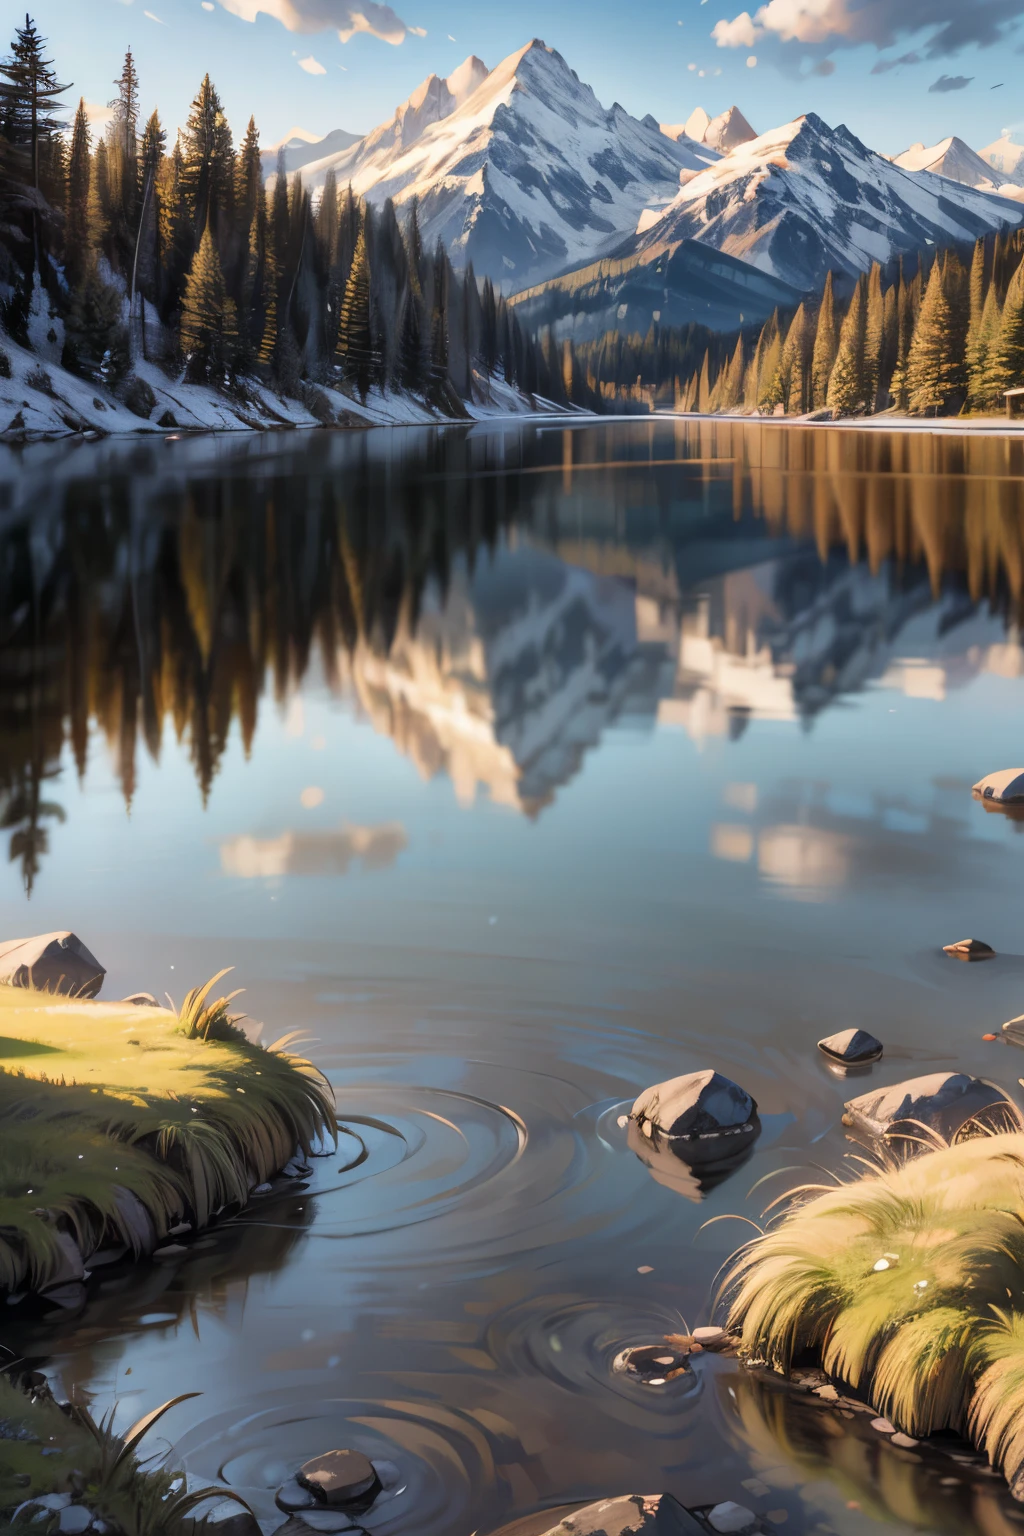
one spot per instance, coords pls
(943, 1103)
(291, 1496)
(51, 962)
(729, 1517)
(339, 1477)
(853, 1047)
(969, 949)
(649, 1514)
(693, 1107)
(1005, 787)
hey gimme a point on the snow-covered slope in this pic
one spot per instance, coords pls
(1006, 157)
(957, 161)
(526, 176)
(807, 198)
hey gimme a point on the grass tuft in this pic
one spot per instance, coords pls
(906, 1283)
(100, 1100)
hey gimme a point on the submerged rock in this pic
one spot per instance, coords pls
(969, 949)
(653, 1364)
(338, 1477)
(52, 962)
(292, 1496)
(729, 1517)
(853, 1047)
(698, 1105)
(943, 1103)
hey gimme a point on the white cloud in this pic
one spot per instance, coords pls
(418, 31)
(752, 61)
(312, 66)
(150, 17)
(741, 32)
(208, 5)
(346, 17)
(951, 24)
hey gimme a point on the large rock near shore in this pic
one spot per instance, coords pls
(695, 1106)
(635, 1515)
(51, 962)
(943, 1103)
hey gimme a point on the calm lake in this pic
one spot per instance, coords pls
(520, 767)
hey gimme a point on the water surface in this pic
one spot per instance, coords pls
(521, 767)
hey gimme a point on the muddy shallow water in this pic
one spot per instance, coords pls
(521, 767)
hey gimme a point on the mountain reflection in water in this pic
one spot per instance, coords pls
(493, 599)
(519, 768)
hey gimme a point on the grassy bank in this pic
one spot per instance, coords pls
(908, 1286)
(119, 1122)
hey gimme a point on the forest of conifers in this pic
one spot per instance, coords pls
(180, 254)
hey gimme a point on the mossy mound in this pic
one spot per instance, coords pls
(106, 1105)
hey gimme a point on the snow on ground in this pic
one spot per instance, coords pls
(41, 399)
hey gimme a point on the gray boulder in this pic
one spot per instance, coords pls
(969, 949)
(1006, 786)
(693, 1107)
(853, 1047)
(51, 962)
(943, 1103)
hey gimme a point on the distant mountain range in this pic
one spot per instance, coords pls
(521, 171)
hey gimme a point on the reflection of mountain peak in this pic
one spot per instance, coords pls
(510, 676)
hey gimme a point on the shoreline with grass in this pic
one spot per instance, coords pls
(124, 1126)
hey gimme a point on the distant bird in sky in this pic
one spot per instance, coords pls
(997, 87)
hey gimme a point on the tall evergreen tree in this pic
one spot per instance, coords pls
(982, 377)
(208, 328)
(825, 344)
(207, 174)
(249, 202)
(874, 338)
(796, 372)
(1006, 369)
(355, 347)
(79, 177)
(30, 102)
(846, 386)
(930, 365)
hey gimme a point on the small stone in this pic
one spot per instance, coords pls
(52, 962)
(74, 1520)
(1004, 786)
(729, 1517)
(181, 1228)
(651, 1362)
(828, 1394)
(645, 1269)
(141, 1000)
(990, 1037)
(262, 1189)
(853, 1047)
(338, 1477)
(708, 1335)
(883, 1426)
(777, 1516)
(969, 949)
(291, 1496)
(755, 1486)
(904, 1440)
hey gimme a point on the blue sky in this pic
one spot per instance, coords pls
(873, 64)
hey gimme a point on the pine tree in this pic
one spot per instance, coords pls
(846, 391)
(978, 287)
(981, 378)
(1006, 369)
(174, 232)
(207, 176)
(123, 141)
(249, 203)
(31, 109)
(796, 377)
(208, 323)
(79, 176)
(890, 344)
(703, 388)
(769, 384)
(355, 348)
(874, 338)
(930, 365)
(731, 380)
(824, 355)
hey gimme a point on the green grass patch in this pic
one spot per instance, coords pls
(100, 1102)
(908, 1285)
(48, 1449)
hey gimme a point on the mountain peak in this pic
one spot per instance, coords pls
(727, 130)
(462, 82)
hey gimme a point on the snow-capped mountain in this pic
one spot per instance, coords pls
(807, 198)
(521, 171)
(1006, 157)
(956, 160)
(723, 132)
(301, 148)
